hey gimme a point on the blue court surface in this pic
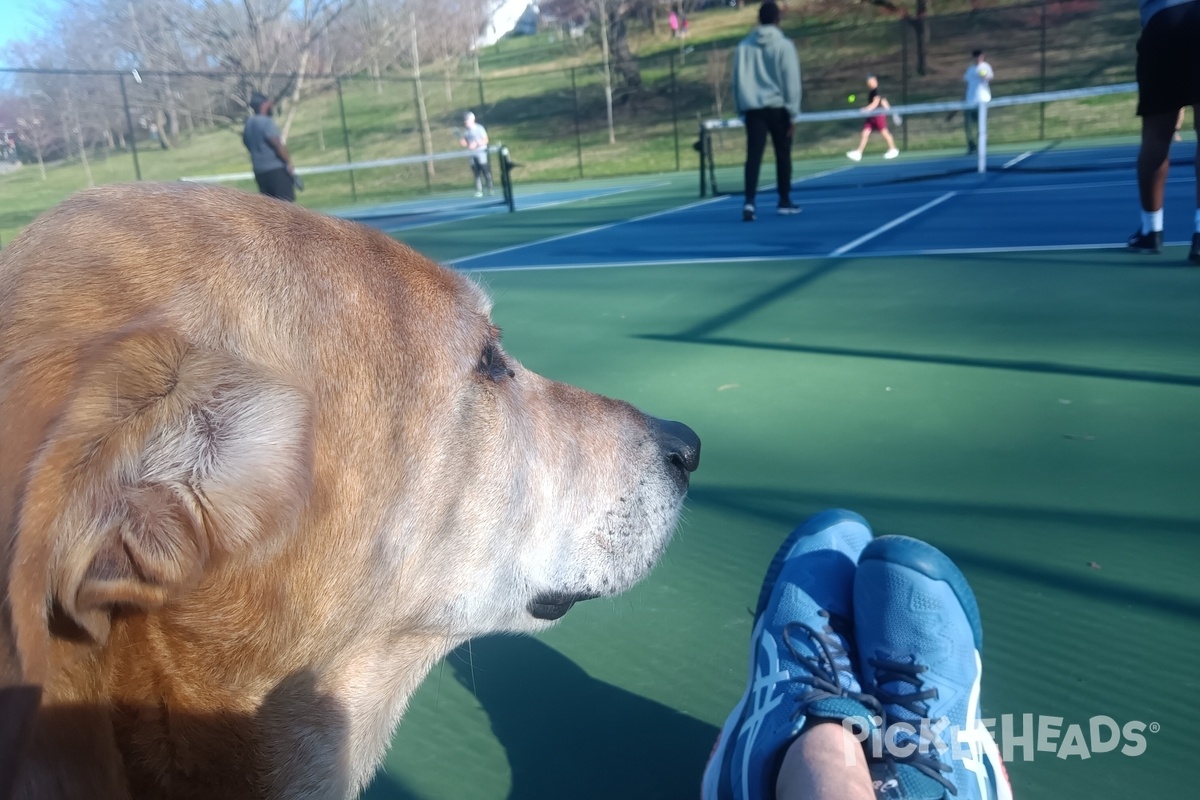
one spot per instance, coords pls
(420, 213)
(1043, 198)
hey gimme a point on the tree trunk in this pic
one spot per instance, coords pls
(921, 27)
(295, 104)
(422, 116)
(608, 89)
(623, 59)
(160, 118)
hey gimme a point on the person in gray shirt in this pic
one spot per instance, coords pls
(269, 158)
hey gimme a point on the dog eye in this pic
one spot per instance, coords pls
(492, 363)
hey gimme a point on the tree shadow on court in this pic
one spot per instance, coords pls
(568, 734)
(785, 508)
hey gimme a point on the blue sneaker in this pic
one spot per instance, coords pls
(920, 642)
(801, 666)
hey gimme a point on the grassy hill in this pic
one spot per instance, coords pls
(543, 95)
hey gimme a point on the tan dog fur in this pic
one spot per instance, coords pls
(260, 469)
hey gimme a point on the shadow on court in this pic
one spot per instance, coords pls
(1051, 566)
(567, 734)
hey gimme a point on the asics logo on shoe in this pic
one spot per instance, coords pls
(764, 698)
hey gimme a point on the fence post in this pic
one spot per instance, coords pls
(904, 79)
(1042, 106)
(674, 113)
(578, 135)
(482, 102)
(137, 168)
(346, 138)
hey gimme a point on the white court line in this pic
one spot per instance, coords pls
(1043, 248)
(486, 210)
(888, 226)
(666, 262)
(607, 226)
(962, 251)
(593, 229)
(1013, 162)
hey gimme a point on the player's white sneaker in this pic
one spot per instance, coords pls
(479, 194)
(892, 153)
(854, 155)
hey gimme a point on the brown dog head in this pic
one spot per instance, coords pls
(263, 468)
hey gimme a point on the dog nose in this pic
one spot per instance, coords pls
(679, 444)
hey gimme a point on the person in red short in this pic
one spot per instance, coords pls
(877, 122)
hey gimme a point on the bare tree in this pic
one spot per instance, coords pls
(718, 75)
(35, 129)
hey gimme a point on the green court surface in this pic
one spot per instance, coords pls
(1033, 414)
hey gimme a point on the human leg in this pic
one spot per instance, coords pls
(756, 143)
(892, 151)
(856, 153)
(477, 174)
(801, 670)
(1154, 160)
(780, 122)
(971, 128)
(824, 762)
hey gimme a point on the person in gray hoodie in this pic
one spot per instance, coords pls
(766, 88)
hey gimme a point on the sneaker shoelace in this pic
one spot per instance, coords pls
(924, 756)
(824, 669)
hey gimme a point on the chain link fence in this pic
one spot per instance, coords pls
(61, 131)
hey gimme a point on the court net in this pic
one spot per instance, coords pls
(1045, 131)
(399, 187)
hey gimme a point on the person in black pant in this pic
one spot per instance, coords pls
(269, 157)
(766, 88)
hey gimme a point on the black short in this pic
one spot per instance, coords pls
(1168, 61)
(276, 183)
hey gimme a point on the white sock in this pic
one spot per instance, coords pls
(1197, 220)
(1152, 221)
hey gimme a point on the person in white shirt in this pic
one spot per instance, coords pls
(978, 78)
(475, 138)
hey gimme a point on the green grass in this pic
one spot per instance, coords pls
(530, 104)
(999, 406)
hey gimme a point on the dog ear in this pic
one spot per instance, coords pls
(164, 459)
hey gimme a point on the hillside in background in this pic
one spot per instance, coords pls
(544, 96)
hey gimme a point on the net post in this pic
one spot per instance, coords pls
(701, 149)
(712, 163)
(337, 82)
(137, 167)
(983, 137)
